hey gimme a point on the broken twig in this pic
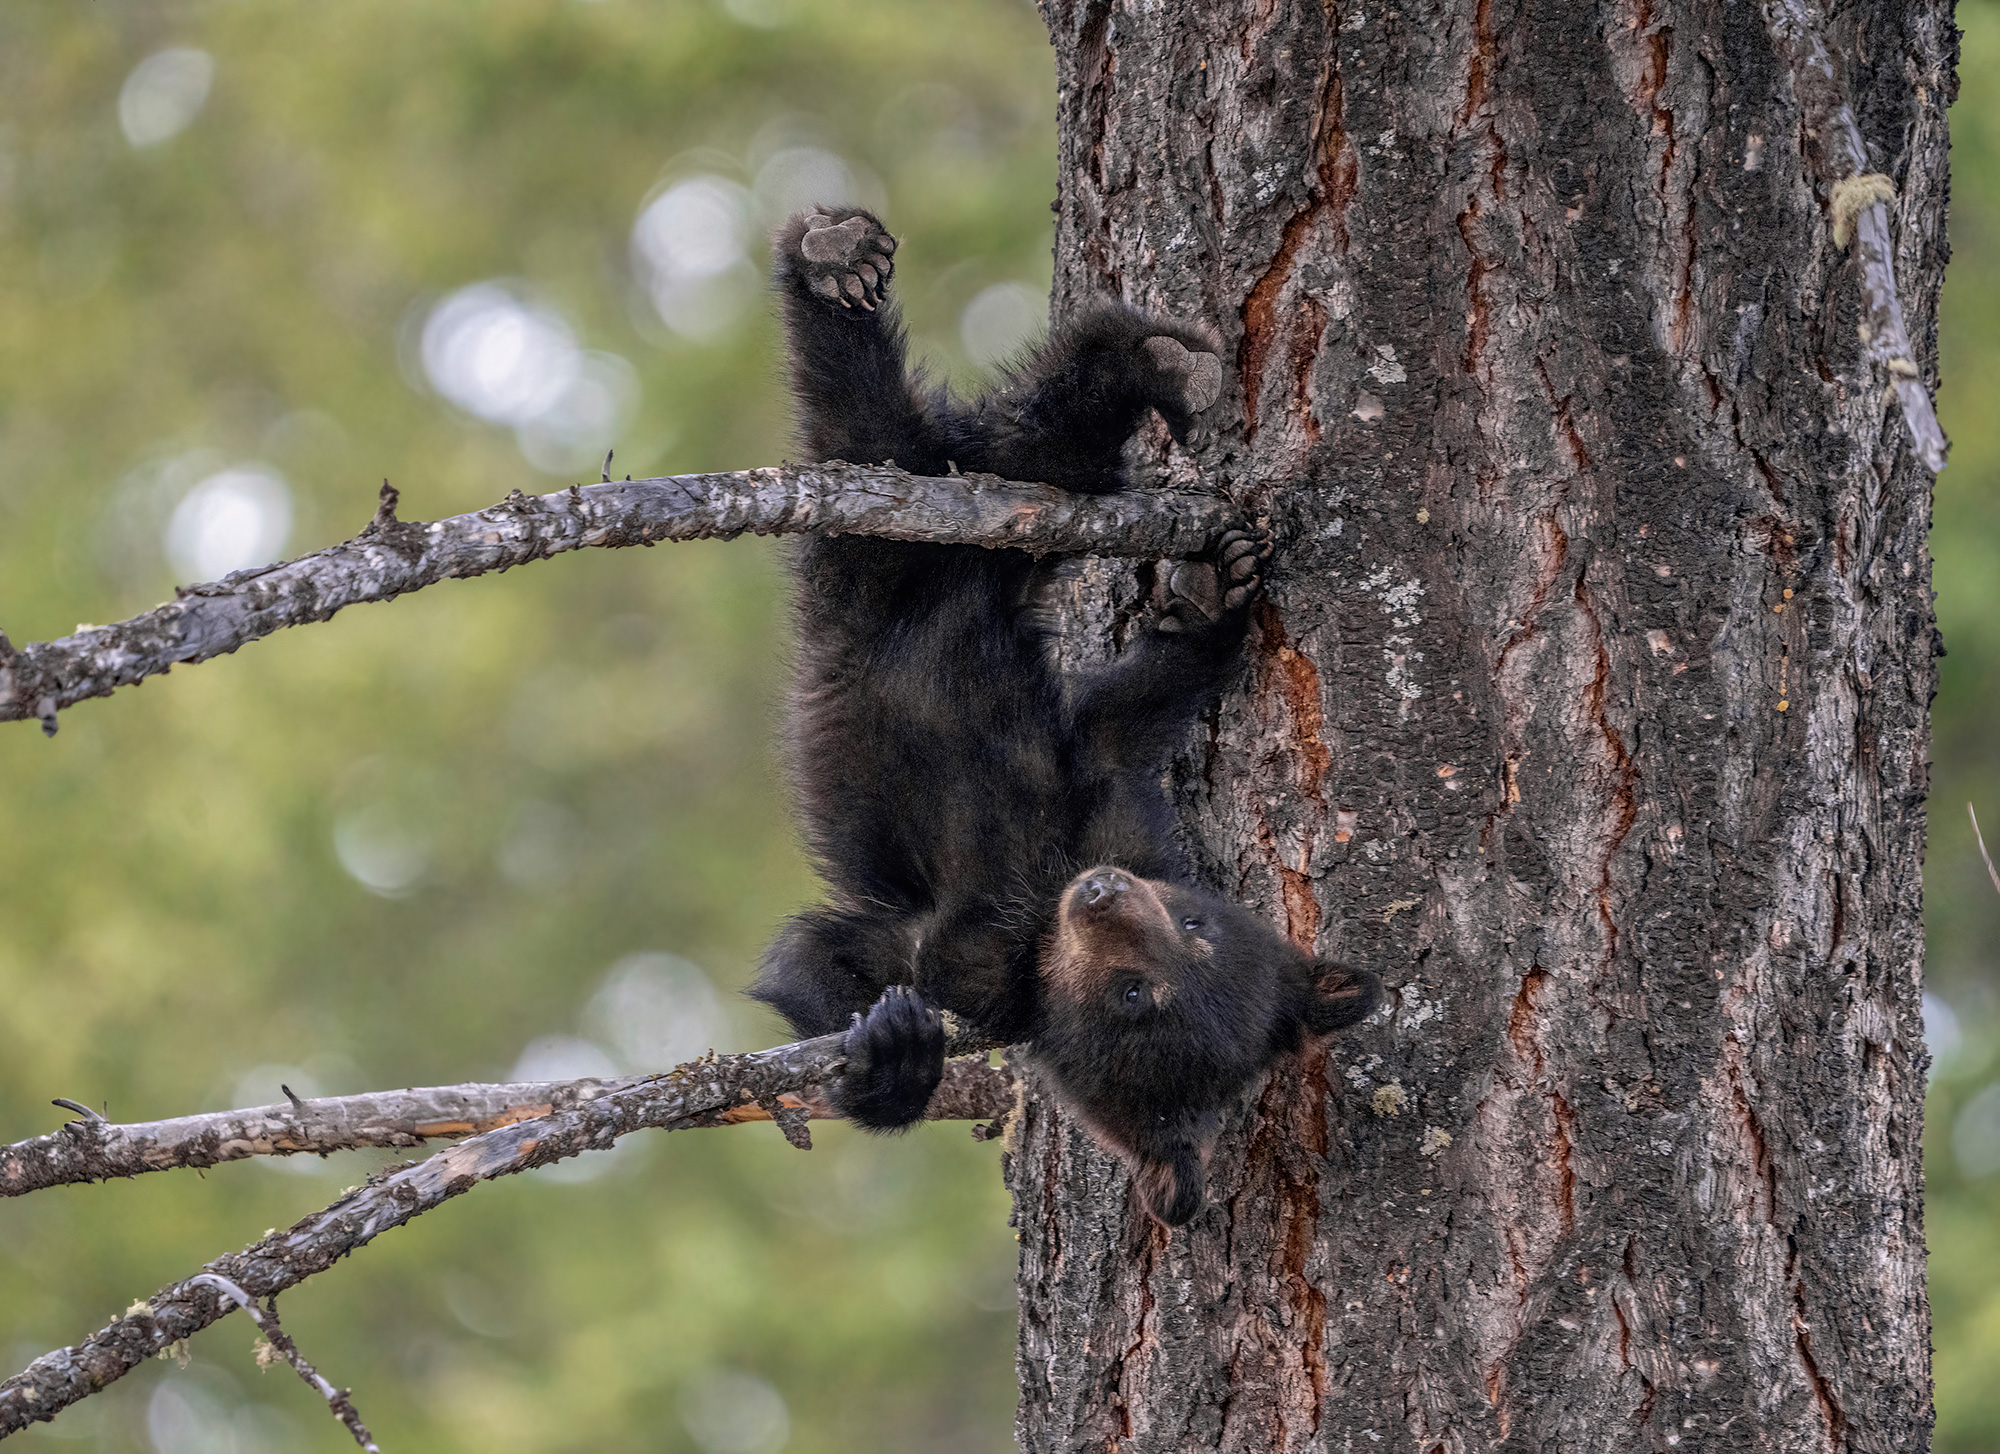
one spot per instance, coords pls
(1981, 839)
(281, 1344)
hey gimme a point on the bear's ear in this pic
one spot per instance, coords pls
(1341, 997)
(1171, 1189)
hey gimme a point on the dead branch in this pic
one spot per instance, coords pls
(94, 1149)
(702, 1092)
(1857, 199)
(1991, 871)
(391, 557)
(282, 1346)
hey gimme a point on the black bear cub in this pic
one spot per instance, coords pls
(995, 837)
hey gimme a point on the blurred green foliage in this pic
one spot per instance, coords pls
(541, 775)
(545, 775)
(1962, 908)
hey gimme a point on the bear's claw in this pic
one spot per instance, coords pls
(1242, 558)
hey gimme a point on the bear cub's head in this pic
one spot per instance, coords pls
(1161, 1004)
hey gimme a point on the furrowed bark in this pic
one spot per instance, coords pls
(1588, 707)
(391, 557)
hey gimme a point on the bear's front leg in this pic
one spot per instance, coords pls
(1136, 712)
(895, 1059)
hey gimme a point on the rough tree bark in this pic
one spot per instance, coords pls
(1588, 707)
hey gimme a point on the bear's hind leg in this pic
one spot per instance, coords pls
(1136, 711)
(832, 267)
(827, 965)
(1064, 416)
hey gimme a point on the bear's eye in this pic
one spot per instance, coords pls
(1132, 992)
(1190, 925)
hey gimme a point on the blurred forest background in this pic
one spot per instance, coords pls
(254, 257)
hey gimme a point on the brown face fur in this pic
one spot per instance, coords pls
(1161, 1004)
(1116, 931)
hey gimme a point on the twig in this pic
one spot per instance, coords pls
(702, 1092)
(1856, 199)
(95, 1149)
(391, 557)
(1981, 837)
(266, 1320)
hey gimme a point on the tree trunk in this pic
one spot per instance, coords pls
(1588, 707)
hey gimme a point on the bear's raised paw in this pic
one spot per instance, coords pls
(843, 257)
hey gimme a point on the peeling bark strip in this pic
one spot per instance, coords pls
(391, 557)
(704, 1092)
(1856, 198)
(1589, 708)
(90, 1150)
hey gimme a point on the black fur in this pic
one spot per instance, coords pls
(994, 835)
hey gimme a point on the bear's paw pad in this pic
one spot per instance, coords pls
(1196, 593)
(846, 262)
(1193, 596)
(1198, 375)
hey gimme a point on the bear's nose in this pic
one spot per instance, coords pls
(1101, 888)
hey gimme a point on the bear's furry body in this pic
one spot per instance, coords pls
(995, 836)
